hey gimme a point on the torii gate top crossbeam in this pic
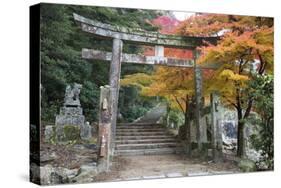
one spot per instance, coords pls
(139, 36)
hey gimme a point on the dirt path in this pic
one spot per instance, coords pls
(161, 166)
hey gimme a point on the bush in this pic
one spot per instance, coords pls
(176, 117)
(133, 113)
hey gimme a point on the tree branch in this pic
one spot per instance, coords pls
(232, 103)
(238, 101)
(179, 104)
(262, 65)
(182, 98)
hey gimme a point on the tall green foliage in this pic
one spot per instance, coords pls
(261, 89)
(61, 62)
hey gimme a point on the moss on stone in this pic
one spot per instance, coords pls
(71, 133)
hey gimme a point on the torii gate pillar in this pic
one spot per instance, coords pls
(114, 79)
(198, 101)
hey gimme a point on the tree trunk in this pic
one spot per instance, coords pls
(187, 125)
(240, 135)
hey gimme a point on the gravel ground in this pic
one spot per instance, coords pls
(160, 166)
(67, 156)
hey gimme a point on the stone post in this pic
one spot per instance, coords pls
(104, 132)
(198, 101)
(114, 79)
(216, 140)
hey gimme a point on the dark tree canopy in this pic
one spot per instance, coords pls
(61, 62)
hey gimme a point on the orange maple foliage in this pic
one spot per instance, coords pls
(169, 25)
(245, 48)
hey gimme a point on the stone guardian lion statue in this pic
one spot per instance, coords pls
(71, 97)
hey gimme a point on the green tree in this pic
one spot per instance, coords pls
(261, 88)
(61, 62)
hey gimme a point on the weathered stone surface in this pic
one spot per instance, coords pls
(141, 59)
(247, 165)
(72, 95)
(49, 133)
(216, 129)
(71, 132)
(105, 128)
(50, 175)
(68, 173)
(45, 175)
(44, 157)
(71, 118)
(229, 128)
(67, 133)
(198, 102)
(88, 167)
(56, 175)
(71, 110)
(65, 119)
(114, 83)
(86, 131)
(86, 173)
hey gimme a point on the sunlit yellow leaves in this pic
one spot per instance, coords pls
(168, 82)
(229, 74)
(138, 79)
(231, 48)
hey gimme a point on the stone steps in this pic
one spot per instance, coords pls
(141, 130)
(139, 124)
(144, 139)
(146, 146)
(142, 133)
(139, 127)
(158, 151)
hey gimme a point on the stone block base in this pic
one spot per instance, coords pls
(68, 133)
(77, 120)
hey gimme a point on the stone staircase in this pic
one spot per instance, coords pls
(144, 139)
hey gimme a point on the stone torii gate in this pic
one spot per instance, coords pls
(140, 37)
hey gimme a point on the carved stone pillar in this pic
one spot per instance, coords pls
(104, 133)
(216, 139)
